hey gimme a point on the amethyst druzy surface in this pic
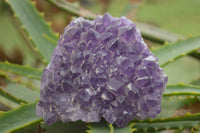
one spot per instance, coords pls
(101, 69)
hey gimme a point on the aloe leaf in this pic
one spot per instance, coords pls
(71, 9)
(21, 93)
(175, 103)
(101, 127)
(181, 89)
(167, 120)
(10, 97)
(159, 126)
(161, 36)
(17, 93)
(180, 122)
(5, 98)
(128, 129)
(21, 70)
(196, 82)
(181, 70)
(18, 118)
(38, 30)
(6, 104)
(156, 34)
(169, 53)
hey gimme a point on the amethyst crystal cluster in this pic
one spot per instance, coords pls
(101, 69)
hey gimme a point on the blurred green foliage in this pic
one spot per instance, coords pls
(179, 16)
(11, 40)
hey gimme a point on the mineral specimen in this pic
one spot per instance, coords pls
(101, 69)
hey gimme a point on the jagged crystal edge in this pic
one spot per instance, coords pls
(101, 69)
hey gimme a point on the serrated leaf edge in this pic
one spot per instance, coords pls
(21, 67)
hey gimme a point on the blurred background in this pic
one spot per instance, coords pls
(181, 17)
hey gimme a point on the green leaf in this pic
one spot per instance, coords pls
(173, 118)
(180, 70)
(149, 127)
(21, 93)
(180, 122)
(196, 82)
(156, 34)
(169, 53)
(101, 127)
(181, 89)
(6, 104)
(175, 103)
(71, 9)
(10, 97)
(17, 93)
(21, 70)
(38, 30)
(128, 129)
(18, 118)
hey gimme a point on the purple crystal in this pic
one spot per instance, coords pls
(101, 69)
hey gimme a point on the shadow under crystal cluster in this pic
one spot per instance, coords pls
(101, 69)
